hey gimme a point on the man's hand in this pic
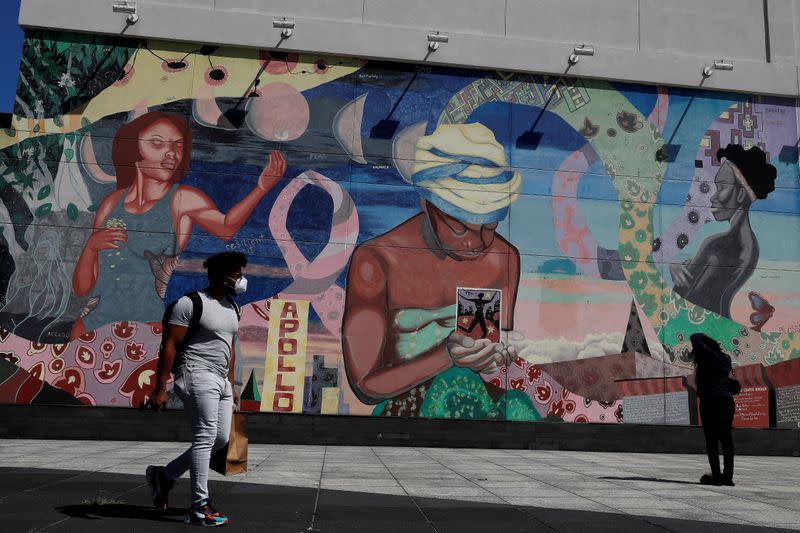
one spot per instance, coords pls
(158, 401)
(235, 398)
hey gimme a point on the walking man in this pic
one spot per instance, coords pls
(200, 354)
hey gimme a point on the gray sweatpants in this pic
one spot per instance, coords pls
(208, 401)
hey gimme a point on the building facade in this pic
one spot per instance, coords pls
(519, 237)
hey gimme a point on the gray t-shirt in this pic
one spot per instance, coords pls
(210, 344)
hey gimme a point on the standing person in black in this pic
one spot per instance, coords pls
(713, 367)
(480, 316)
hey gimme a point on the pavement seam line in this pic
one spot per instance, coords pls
(413, 499)
(523, 511)
(643, 519)
(708, 488)
(638, 490)
(44, 465)
(319, 489)
(86, 473)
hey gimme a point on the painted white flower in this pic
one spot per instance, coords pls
(66, 81)
(38, 108)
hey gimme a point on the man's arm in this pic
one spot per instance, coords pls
(173, 338)
(232, 368)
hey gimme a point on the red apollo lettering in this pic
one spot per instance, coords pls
(290, 310)
(279, 386)
(288, 326)
(287, 346)
(285, 406)
(282, 367)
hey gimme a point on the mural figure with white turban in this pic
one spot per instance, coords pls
(400, 346)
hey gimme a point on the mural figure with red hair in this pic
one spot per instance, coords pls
(148, 221)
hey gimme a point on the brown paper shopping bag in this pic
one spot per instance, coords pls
(232, 459)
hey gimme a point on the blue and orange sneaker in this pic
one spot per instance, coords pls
(160, 485)
(205, 515)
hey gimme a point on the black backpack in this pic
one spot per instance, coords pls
(197, 313)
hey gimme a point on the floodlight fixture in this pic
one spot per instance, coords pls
(285, 25)
(127, 7)
(434, 39)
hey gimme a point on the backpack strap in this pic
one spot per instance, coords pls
(235, 307)
(197, 313)
(194, 322)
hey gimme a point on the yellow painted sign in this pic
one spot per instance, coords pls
(330, 401)
(285, 365)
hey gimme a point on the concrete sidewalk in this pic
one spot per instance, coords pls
(99, 486)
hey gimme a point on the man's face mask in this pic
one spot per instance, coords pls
(238, 286)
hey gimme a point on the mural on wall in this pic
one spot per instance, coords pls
(428, 242)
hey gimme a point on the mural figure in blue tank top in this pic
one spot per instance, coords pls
(142, 226)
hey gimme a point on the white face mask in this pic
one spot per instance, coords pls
(240, 285)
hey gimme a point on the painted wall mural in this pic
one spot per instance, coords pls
(423, 241)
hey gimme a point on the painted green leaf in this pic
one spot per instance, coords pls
(92, 208)
(58, 121)
(72, 211)
(43, 210)
(62, 46)
(69, 153)
(85, 123)
(44, 192)
(70, 137)
(36, 128)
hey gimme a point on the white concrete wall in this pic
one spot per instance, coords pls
(651, 41)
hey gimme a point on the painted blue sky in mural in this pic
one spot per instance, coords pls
(385, 200)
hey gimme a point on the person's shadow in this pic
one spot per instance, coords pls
(96, 511)
(653, 479)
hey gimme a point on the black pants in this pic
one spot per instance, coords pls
(479, 320)
(716, 415)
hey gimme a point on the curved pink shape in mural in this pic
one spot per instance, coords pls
(572, 233)
(658, 116)
(316, 280)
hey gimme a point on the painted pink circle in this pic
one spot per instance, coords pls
(174, 64)
(280, 114)
(218, 71)
(320, 66)
(278, 63)
(128, 71)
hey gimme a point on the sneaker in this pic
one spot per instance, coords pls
(160, 485)
(205, 515)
